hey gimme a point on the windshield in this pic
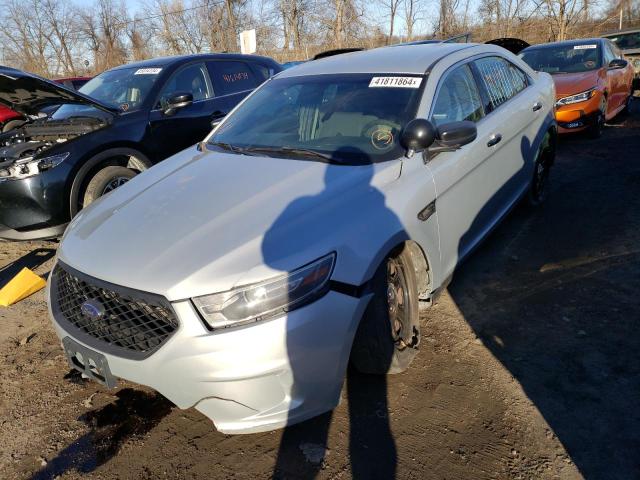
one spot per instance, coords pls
(564, 58)
(123, 88)
(70, 110)
(347, 119)
(626, 41)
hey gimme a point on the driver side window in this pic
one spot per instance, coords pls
(191, 79)
(457, 99)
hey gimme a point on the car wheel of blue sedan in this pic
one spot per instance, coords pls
(105, 181)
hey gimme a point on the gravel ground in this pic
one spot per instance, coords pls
(529, 366)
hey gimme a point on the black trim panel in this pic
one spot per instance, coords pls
(356, 291)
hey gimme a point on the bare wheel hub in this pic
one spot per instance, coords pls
(114, 183)
(402, 332)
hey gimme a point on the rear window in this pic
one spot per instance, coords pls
(501, 78)
(263, 73)
(231, 77)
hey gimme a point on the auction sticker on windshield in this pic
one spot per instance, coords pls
(396, 82)
(584, 47)
(148, 71)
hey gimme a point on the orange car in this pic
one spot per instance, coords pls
(593, 81)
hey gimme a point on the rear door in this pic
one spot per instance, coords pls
(232, 81)
(168, 134)
(616, 82)
(513, 130)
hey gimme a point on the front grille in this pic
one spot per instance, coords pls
(114, 319)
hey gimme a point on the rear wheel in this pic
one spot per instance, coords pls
(105, 181)
(541, 170)
(389, 332)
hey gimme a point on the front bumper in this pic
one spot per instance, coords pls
(255, 378)
(34, 207)
(578, 116)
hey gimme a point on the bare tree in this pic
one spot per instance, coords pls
(62, 20)
(391, 9)
(26, 37)
(563, 14)
(412, 10)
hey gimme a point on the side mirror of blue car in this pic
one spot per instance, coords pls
(178, 101)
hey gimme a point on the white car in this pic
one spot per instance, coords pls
(240, 276)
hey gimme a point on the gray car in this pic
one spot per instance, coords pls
(241, 275)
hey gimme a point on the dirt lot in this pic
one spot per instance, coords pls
(530, 366)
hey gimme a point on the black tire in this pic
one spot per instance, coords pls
(541, 171)
(389, 333)
(627, 105)
(595, 130)
(106, 180)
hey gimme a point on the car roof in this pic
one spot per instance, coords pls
(171, 60)
(412, 59)
(566, 43)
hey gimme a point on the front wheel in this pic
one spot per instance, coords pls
(389, 332)
(595, 130)
(105, 181)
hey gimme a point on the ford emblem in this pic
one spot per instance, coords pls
(92, 309)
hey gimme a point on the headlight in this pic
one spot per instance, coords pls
(577, 98)
(263, 300)
(28, 167)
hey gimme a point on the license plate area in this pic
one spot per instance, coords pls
(90, 363)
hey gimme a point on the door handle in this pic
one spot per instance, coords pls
(216, 118)
(537, 106)
(494, 139)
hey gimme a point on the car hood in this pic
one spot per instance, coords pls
(204, 222)
(28, 94)
(572, 83)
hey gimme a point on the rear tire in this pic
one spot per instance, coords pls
(106, 180)
(389, 332)
(541, 171)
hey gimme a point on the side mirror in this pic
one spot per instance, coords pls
(176, 102)
(456, 134)
(417, 135)
(617, 63)
(452, 136)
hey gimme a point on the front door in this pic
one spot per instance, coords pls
(170, 134)
(476, 183)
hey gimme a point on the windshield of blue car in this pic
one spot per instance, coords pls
(122, 88)
(564, 58)
(347, 119)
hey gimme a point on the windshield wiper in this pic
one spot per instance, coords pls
(226, 146)
(291, 150)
